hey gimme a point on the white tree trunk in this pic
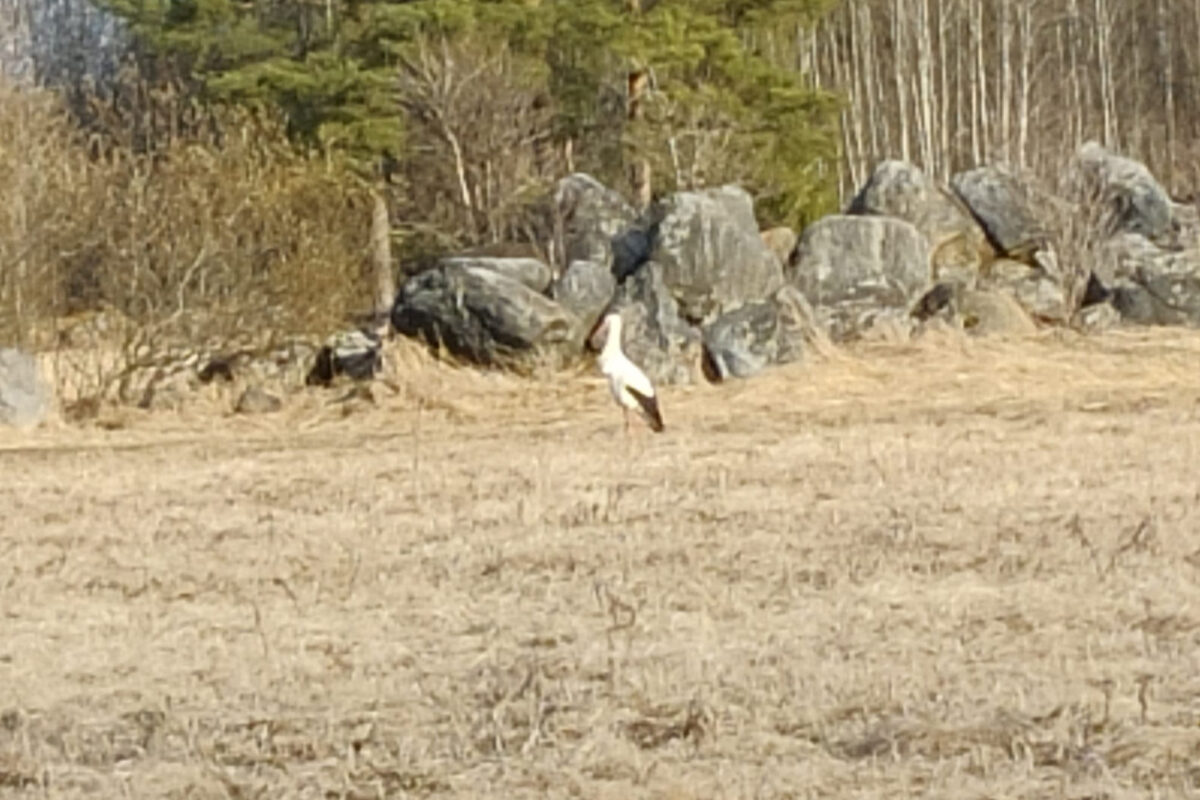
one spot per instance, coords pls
(381, 254)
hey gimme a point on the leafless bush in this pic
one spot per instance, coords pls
(1079, 223)
(192, 243)
(1078, 244)
(690, 143)
(481, 150)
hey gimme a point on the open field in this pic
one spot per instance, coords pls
(957, 569)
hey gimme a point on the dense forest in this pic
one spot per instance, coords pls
(949, 84)
(184, 153)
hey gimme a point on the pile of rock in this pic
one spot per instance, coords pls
(981, 242)
(1147, 263)
(705, 293)
(699, 287)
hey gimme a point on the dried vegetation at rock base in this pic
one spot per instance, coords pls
(963, 567)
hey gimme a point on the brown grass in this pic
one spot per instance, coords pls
(956, 568)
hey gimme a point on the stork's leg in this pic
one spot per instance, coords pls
(633, 438)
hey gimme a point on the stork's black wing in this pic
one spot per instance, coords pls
(649, 404)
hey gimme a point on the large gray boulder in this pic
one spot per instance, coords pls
(901, 190)
(980, 312)
(710, 252)
(357, 354)
(1005, 207)
(991, 313)
(1123, 256)
(1039, 292)
(24, 396)
(852, 269)
(1096, 318)
(485, 317)
(745, 341)
(590, 215)
(585, 289)
(1131, 200)
(736, 202)
(1147, 284)
(1172, 285)
(1186, 217)
(529, 271)
(656, 337)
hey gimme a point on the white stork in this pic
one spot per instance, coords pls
(629, 385)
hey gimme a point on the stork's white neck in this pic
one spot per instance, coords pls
(612, 341)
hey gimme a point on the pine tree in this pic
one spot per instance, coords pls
(712, 108)
(289, 54)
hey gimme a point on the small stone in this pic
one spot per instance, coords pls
(256, 400)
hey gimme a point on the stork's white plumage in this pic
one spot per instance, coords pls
(629, 385)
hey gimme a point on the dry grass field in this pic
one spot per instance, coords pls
(955, 568)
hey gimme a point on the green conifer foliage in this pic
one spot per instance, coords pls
(721, 105)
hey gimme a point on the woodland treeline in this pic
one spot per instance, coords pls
(445, 121)
(949, 84)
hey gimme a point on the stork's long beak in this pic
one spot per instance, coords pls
(595, 339)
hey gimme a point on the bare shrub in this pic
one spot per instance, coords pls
(1080, 222)
(480, 133)
(43, 168)
(1077, 244)
(195, 243)
(254, 235)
